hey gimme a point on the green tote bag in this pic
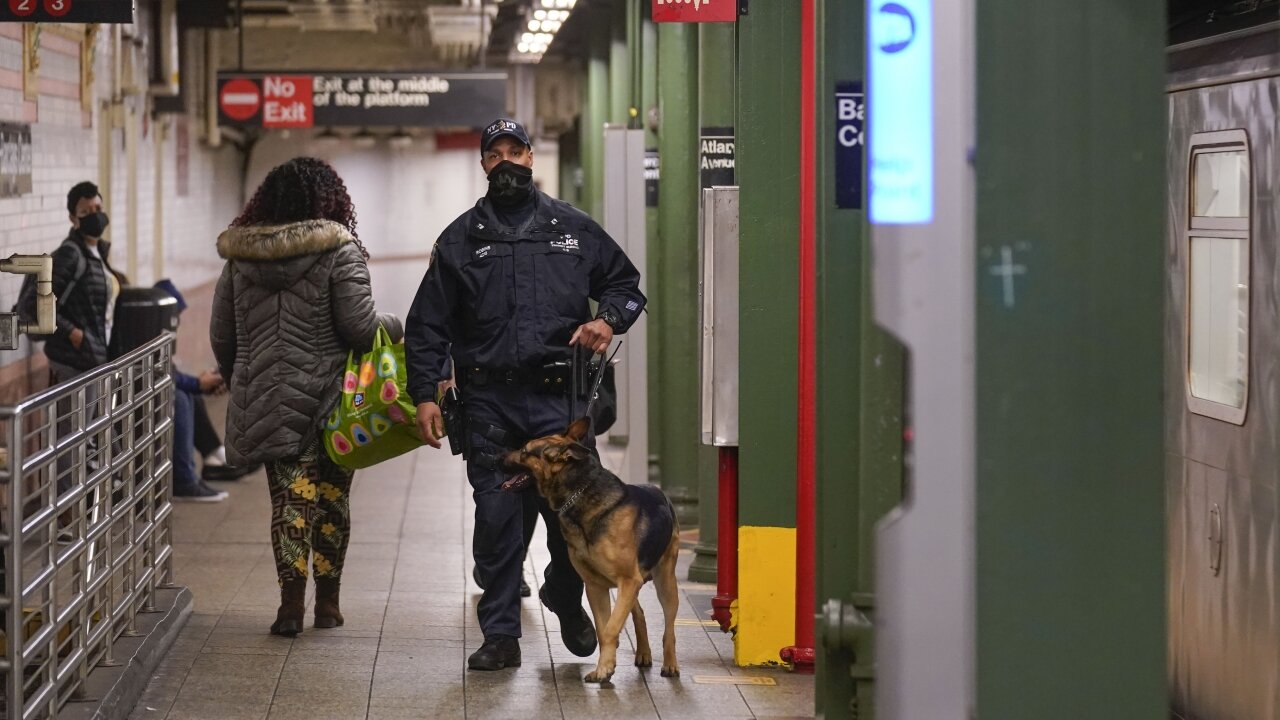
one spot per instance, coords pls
(375, 420)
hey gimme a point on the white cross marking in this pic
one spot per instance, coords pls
(1008, 270)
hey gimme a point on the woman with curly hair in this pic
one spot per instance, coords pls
(294, 298)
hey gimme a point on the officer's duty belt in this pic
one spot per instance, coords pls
(553, 379)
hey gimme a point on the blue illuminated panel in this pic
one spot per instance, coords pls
(900, 104)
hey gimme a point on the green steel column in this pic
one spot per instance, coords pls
(620, 82)
(860, 386)
(768, 165)
(653, 281)
(595, 111)
(1070, 478)
(679, 332)
(570, 165)
(768, 170)
(717, 69)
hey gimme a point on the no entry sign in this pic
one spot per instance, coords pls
(273, 101)
(361, 99)
(67, 11)
(695, 10)
(240, 99)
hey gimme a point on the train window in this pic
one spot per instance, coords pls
(1221, 184)
(1219, 302)
(1218, 249)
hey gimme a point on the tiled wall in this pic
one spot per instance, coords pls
(65, 144)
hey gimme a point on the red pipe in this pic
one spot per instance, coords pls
(727, 541)
(801, 655)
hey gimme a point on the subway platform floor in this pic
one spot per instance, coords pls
(409, 604)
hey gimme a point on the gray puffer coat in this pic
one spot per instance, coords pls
(291, 302)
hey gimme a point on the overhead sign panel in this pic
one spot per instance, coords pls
(695, 10)
(900, 46)
(302, 100)
(67, 11)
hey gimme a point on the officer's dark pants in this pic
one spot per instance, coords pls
(498, 542)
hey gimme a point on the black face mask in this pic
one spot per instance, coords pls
(510, 185)
(94, 225)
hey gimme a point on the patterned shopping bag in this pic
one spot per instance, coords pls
(375, 420)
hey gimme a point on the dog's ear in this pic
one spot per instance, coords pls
(575, 452)
(578, 430)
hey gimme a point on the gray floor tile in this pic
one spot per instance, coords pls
(408, 694)
(207, 709)
(420, 712)
(305, 707)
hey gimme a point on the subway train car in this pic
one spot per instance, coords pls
(1223, 375)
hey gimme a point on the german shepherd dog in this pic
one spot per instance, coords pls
(619, 536)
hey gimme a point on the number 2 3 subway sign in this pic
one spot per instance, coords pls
(311, 99)
(67, 11)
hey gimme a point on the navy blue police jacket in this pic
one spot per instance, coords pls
(501, 299)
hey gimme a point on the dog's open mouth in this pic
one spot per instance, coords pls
(518, 482)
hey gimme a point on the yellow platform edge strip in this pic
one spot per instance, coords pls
(766, 612)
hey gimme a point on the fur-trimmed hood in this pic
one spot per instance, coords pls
(281, 242)
(279, 256)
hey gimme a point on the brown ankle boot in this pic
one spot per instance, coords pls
(293, 607)
(327, 613)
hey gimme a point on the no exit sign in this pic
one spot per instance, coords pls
(695, 10)
(274, 101)
(67, 11)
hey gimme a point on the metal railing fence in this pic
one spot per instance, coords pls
(84, 523)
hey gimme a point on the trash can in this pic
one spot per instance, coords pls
(141, 315)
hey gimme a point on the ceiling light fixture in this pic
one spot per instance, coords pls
(547, 18)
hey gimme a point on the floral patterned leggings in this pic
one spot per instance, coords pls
(310, 512)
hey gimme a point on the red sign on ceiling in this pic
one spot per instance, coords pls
(695, 10)
(288, 102)
(276, 101)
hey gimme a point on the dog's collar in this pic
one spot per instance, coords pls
(572, 499)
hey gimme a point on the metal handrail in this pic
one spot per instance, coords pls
(62, 605)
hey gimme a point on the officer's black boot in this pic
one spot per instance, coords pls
(498, 651)
(576, 629)
(524, 586)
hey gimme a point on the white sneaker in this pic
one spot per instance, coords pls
(217, 458)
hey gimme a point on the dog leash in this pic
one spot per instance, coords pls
(575, 381)
(599, 378)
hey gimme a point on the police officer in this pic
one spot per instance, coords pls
(506, 295)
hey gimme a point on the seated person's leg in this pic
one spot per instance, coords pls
(207, 440)
(209, 444)
(186, 486)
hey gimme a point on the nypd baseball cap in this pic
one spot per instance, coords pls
(503, 127)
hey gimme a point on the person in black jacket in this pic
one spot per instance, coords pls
(507, 296)
(87, 288)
